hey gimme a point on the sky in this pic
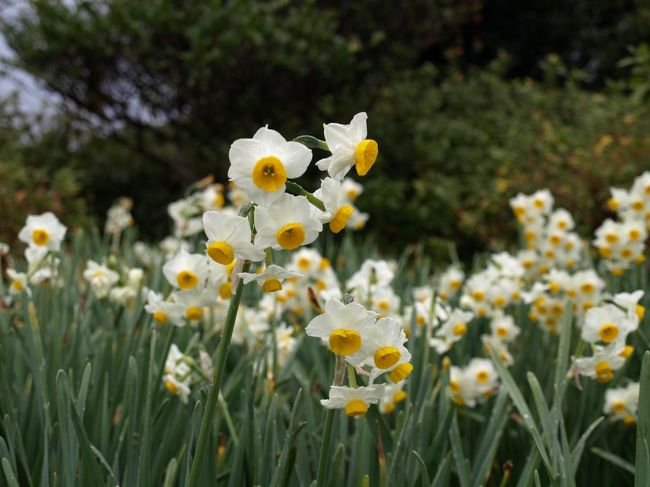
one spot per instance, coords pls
(32, 98)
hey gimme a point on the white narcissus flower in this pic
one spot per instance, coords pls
(383, 346)
(349, 147)
(452, 330)
(630, 303)
(100, 278)
(18, 282)
(338, 209)
(45, 231)
(504, 328)
(372, 272)
(341, 326)
(41, 266)
(602, 364)
(193, 301)
(290, 222)
(229, 238)
(271, 278)
(164, 311)
(355, 401)
(393, 393)
(622, 403)
(177, 374)
(262, 165)
(606, 324)
(186, 271)
(351, 189)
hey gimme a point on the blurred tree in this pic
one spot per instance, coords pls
(155, 91)
(176, 82)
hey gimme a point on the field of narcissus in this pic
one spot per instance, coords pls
(264, 343)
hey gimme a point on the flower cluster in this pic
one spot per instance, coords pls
(121, 289)
(621, 243)
(118, 217)
(606, 328)
(550, 241)
(262, 214)
(473, 384)
(370, 346)
(43, 235)
(182, 372)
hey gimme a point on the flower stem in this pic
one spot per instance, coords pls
(339, 374)
(297, 189)
(219, 366)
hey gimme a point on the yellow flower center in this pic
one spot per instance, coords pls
(193, 313)
(637, 205)
(171, 387)
(17, 285)
(324, 264)
(344, 342)
(271, 285)
(187, 279)
(627, 351)
(221, 252)
(502, 331)
(640, 311)
(160, 316)
(40, 237)
(500, 301)
(455, 284)
(608, 332)
(365, 155)
(603, 372)
(612, 203)
(291, 236)
(478, 295)
(386, 357)
(629, 420)
(635, 234)
(554, 287)
(605, 252)
(587, 288)
(356, 407)
(399, 396)
(611, 238)
(460, 329)
(539, 203)
(626, 253)
(225, 290)
(400, 372)
(389, 407)
(556, 240)
(269, 174)
(454, 385)
(303, 263)
(482, 376)
(618, 407)
(341, 218)
(219, 200)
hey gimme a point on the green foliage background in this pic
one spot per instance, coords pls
(472, 101)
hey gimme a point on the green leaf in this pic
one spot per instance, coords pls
(642, 462)
(462, 466)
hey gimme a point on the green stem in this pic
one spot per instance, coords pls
(352, 378)
(339, 373)
(219, 366)
(297, 189)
